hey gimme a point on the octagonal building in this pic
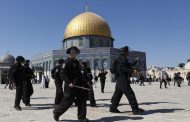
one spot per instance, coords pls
(92, 35)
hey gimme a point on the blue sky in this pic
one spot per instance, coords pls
(161, 28)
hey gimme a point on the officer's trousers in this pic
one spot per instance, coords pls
(102, 81)
(91, 96)
(69, 96)
(59, 91)
(123, 87)
(27, 91)
(19, 92)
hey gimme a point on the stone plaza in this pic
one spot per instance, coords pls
(161, 105)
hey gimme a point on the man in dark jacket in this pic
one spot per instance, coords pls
(124, 71)
(72, 78)
(27, 85)
(87, 74)
(102, 76)
(55, 72)
(17, 74)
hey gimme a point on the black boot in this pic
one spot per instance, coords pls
(114, 111)
(139, 111)
(18, 108)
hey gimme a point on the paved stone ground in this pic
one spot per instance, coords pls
(161, 105)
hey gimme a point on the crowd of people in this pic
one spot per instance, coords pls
(74, 83)
(165, 79)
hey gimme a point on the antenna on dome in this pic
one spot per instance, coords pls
(86, 7)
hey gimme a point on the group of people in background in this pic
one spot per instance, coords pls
(165, 79)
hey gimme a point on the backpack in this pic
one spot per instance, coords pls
(55, 72)
(113, 67)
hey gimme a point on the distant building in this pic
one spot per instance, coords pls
(159, 71)
(92, 35)
(5, 63)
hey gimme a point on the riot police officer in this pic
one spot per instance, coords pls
(55, 73)
(124, 71)
(87, 74)
(17, 74)
(72, 78)
(27, 85)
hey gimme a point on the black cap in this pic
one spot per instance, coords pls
(61, 61)
(72, 48)
(20, 59)
(124, 49)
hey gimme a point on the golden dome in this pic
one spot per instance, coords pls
(87, 23)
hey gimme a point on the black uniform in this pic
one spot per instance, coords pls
(27, 85)
(102, 76)
(18, 75)
(88, 77)
(58, 83)
(72, 74)
(123, 74)
(177, 79)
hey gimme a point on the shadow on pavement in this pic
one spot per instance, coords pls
(39, 107)
(41, 97)
(161, 111)
(148, 103)
(49, 104)
(116, 118)
(103, 105)
(109, 119)
(103, 99)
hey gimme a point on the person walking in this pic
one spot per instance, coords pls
(87, 74)
(17, 74)
(123, 71)
(27, 85)
(163, 80)
(55, 73)
(102, 76)
(72, 90)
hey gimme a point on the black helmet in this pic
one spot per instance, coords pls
(61, 61)
(124, 49)
(20, 59)
(72, 48)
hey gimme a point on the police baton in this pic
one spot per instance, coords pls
(82, 88)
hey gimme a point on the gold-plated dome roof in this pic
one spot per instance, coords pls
(87, 23)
